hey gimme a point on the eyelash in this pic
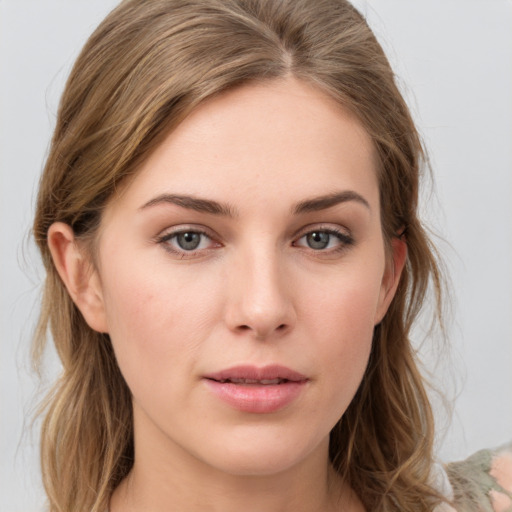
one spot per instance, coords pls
(165, 240)
(345, 241)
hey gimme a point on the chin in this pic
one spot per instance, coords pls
(259, 466)
(265, 455)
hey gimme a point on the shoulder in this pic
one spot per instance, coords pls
(482, 482)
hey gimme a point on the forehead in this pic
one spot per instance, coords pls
(264, 142)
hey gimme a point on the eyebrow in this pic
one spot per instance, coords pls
(328, 201)
(215, 208)
(192, 203)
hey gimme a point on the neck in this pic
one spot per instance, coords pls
(199, 491)
(171, 479)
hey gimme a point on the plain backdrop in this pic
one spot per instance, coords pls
(454, 62)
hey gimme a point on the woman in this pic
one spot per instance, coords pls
(228, 219)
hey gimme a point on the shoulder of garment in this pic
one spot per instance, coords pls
(480, 483)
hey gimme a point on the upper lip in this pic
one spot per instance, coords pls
(254, 373)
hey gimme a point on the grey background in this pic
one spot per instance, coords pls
(454, 59)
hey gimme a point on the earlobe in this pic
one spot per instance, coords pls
(78, 275)
(391, 276)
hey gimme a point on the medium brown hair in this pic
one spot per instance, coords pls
(144, 69)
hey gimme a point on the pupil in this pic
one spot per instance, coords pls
(189, 241)
(318, 240)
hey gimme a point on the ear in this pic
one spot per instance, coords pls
(391, 276)
(78, 274)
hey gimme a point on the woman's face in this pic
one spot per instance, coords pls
(241, 274)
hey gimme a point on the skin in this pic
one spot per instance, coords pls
(254, 292)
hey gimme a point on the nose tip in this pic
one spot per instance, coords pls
(259, 301)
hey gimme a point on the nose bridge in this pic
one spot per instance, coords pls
(259, 299)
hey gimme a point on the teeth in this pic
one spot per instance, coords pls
(244, 381)
(264, 382)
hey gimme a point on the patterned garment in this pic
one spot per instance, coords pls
(480, 483)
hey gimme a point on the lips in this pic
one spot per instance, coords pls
(253, 374)
(256, 390)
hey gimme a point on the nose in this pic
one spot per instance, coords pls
(259, 300)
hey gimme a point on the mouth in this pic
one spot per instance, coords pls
(252, 375)
(257, 390)
(253, 382)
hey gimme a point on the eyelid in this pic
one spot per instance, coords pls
(335, 229)
(169, 233)
(344, 236)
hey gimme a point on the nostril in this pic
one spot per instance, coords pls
(245, 327)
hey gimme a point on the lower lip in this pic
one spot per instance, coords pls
(256, 398)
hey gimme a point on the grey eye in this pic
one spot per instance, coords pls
(189, 240)
(318, 239)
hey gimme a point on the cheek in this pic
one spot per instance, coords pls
(346, 324)
(346, 305)
(341, 321)
(157, 319)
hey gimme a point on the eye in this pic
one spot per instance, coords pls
(187, 242)
(324, 240)
(318, 239)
